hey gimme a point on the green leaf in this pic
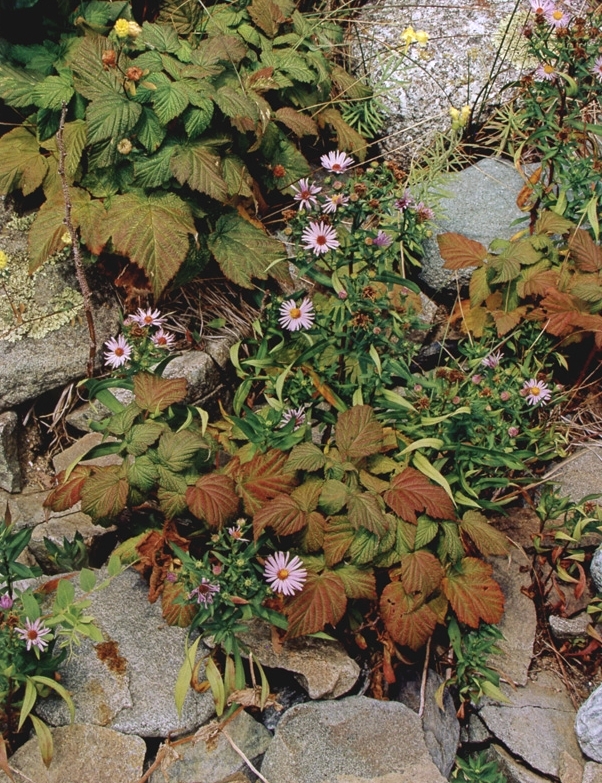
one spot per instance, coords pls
(425, 532)
(198, 118)
(153, 171)
(89, 77)
(334, 496)
(22, 166)
(17, 86)
(198, 166)
(365, 509)
(305, 456)
(141, 436)
(177, 449)
(169, 100)
(358, 433)
(237, 177)
(44, 739)
(29, 699)
(143, 474)
(364, 547)
(65, 593)
(162, 37)
(111, 116)
(217, 686)
(152, 231)
(242, 250)
(53, 92)
(185, 675)
(150, 132)
(114, 567)
(87, 580)
(105, 492)
(358, 582)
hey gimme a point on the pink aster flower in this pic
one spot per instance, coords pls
(405, 201)
(284, 575)
(492, 361)
(33, 633)
(163, 339)
(148, 317)
(597, 69)
(513, 431)
(423, 213)
(333, 202)
(536, 392)
(298, 414)
(541, 7)
(319, 238)
(505, 396)
(305, 194)
(6, 602)
(338, 162)
(293, 317)
(120, 352)
(236, 532)
(558, 18)
(204, 592)
(382, 240)
(545, 73)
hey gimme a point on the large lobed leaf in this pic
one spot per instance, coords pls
(213, 499)
(473, 593)
(260, 480)
(421, 572)
(152, 231)
(486, 538)
(408, 621)
(105, 492)
(22, 165)
(287, 514)
(321, 602)
(153, 393)
(198, 166)
(587, 254)
(460, 252)
(412, 492)
(358, 433)
(69, 491)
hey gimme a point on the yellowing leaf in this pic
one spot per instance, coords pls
(478, 287)
(300, 124)
(473, 593)
(551, 223)
(152, 231)
(486, 538)
(365, 509)
(358, 433)
(337, 539)
(321, 602)
(68, 492)
(305, 456)
(154, 393)
(348, 139)
(22, 166)
(460, 252)
(213, 499)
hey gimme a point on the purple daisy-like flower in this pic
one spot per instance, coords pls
(148, 317)
(320, 238)
(337, 162)
(333, 202)
(33, 634)
(597, 69)
(294, 317)
(163, 339)
(296, 414)
(406, 201)
(513, 431)
(545, 73)
(423, 213)
(493, 360)
(6, 602)
(305, 194)
(119, 352)
(204, 592)
(284, 574)
(558, 18)
(536, 392)
(541, 7)
(382, 240)
(236, 532)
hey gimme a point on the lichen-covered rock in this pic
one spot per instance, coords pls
(10, 470)
(588, 726)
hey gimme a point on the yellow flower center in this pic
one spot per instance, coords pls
(283, 573)
(548, 68)
(294, 312)
(535, 391)
(557, 14)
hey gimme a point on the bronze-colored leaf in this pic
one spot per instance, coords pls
(153, 393)
(358, 433)
(473, 593)
(321, 602)
(213, 499)
(411, 491)
(408, 621)
(460, 252)
(486, 538)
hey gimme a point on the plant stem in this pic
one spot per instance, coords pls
(75, 246)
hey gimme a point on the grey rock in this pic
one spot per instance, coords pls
(322, 667)
(474, 732)
(536, 725)
(481, 205)
(569, 627)
(570, 770)
(333, 741)
(59, 529)
(212, 759)
(64, 459)
(595, 569)
(441, 727)
(512, 770)
(128, 682)
(82, 754)
(419, 90)
(10, 470)
(519, 622)
(592, 773)
(580, 474)
(286, 697)
(588, 726)
(27, 509)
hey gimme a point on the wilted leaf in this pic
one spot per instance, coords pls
(358, 433)
(411, 491)
(408, 621)
(321, 602)
(421, 572)
(266, 15)
(21, 163)
(486, 538)
(154, 393)
(473, 593)
(261, 479)
(104, 494)
(175, 610)
(460, 252)
(300, 124)
(68, 493)
(213, 499)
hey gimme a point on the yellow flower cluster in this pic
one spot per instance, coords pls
(123, 29)
(459, 117)
(3, 260)
(410, 36)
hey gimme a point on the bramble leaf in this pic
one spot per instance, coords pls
(334, 496)
(287, 514)
(365, 509)
(337, 539)
(141, 436)
(358, 433)
(152, 231)
(460, 252)
(560, 311)
(111, 116)
(421, 572)
(68, 492)
(22, 166)
(486, 538)
(586, 253)
(348, 139)
(198, 166)
(551, 223)
(300, 124)
(174, 608)
(358, 582)
(153, 393)
(408, 621)
(478, 287)
(261, 479)
(105, 492)
(364, 547)
(321, 602)
(473, 593)
(213, 499)
(411, 491)
(305, 456)
(177, 449)
(266, 15)
(244, 251)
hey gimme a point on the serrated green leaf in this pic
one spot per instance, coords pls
(22, 165)
(162, 37)
(17, 86)
(237, 177)
(150, 132)
(426, 530)
(53, 92)
(141, 436)
(177, 449)
(198, 166)
(364, 547)
(365, 509)
(155, 170)
(334, 496)
(198, 118)
(89, 77)
(305, 456)
(169, 100)
(105, 493)
(143, 474)
(111, 116)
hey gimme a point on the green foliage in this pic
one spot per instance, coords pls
(477, 769)
(70, 556)
(174, 130)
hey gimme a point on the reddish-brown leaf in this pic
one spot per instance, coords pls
(536, 282)
(408, 621)
(590, 323)
(411, 491)
(287, 514)
(321, 602)
(68, 492)
(486, 538)
(560, 310)
(504, 321)
(313, 537)
(358, 433)
(175, 610)
(105, 492)
(421, 572)
(213, 499)
(587, 254)
(365, 509)
(473, 593)
(337, 539)
(261, 479)
(460, 252)
(154, 393)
